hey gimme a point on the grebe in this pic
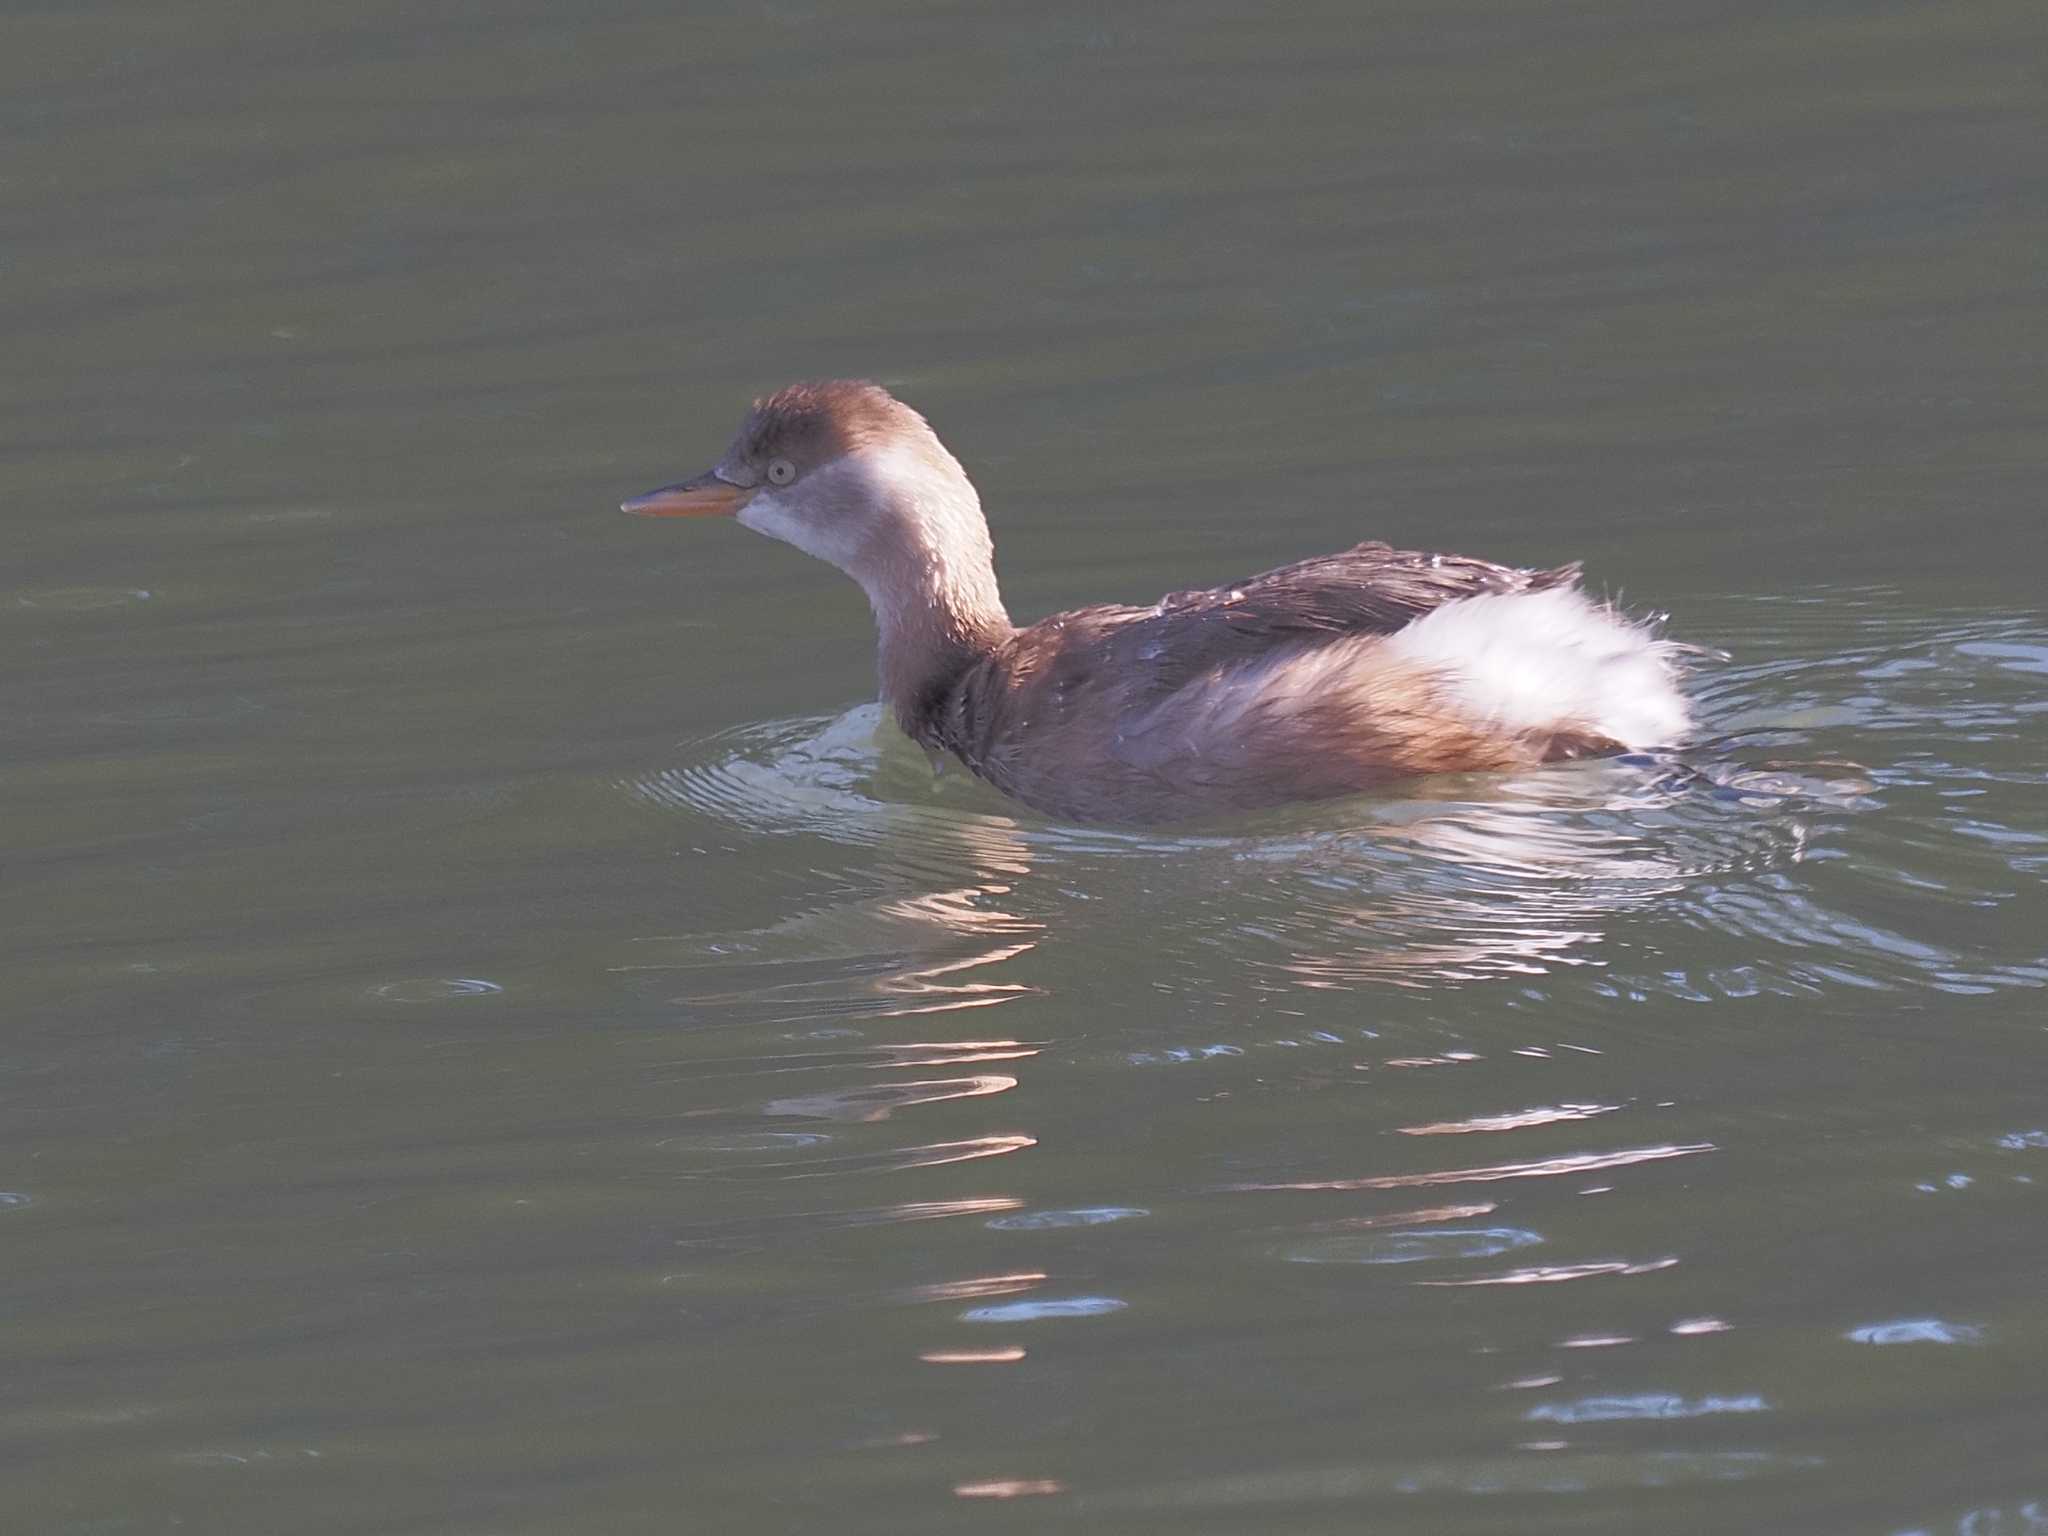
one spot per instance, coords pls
(1322, 678)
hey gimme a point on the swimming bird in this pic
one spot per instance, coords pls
(1327, 677)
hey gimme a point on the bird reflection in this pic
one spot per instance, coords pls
(811, 989)
(1511, 877)
(893, 956)
(1517, 884)
(880, 1100)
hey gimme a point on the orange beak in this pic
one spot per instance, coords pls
(705, 496)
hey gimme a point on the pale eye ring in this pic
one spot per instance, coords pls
(780, 471)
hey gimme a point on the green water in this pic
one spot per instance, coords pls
(499, 1039)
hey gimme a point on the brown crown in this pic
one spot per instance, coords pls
(824, 418)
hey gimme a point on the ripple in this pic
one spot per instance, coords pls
(879, 1101)
(2030, 1519)
(1549, 1167)
(1035, 1311)
(182, 709)
(1519, 1121)
(1405, 890)
(1917, 1330)
(883, 1056)
(1870, 785)
(1555, 1274)
(1553, 1471)
(82, 599)
(1415, 1218)
(435, 989)
(2030, 658)
(783, 1223)
(892, 1160)
(851, 777)
(1645, 1405)
(1008, 1354)
(1082, 1216)
(905, 956)
(745, 1141)
(1414, 1247)
(978, 1285)
(1010, 1488)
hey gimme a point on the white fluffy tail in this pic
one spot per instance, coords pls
(1553, 661)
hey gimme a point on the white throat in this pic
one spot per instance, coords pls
(904, 523)
(902, 520)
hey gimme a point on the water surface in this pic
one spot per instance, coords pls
(501, 1036)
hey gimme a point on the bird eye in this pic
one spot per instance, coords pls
(780, 471)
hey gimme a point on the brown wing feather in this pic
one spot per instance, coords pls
(1372, 589)
(1115, 661)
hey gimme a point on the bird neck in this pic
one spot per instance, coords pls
(937, 607)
